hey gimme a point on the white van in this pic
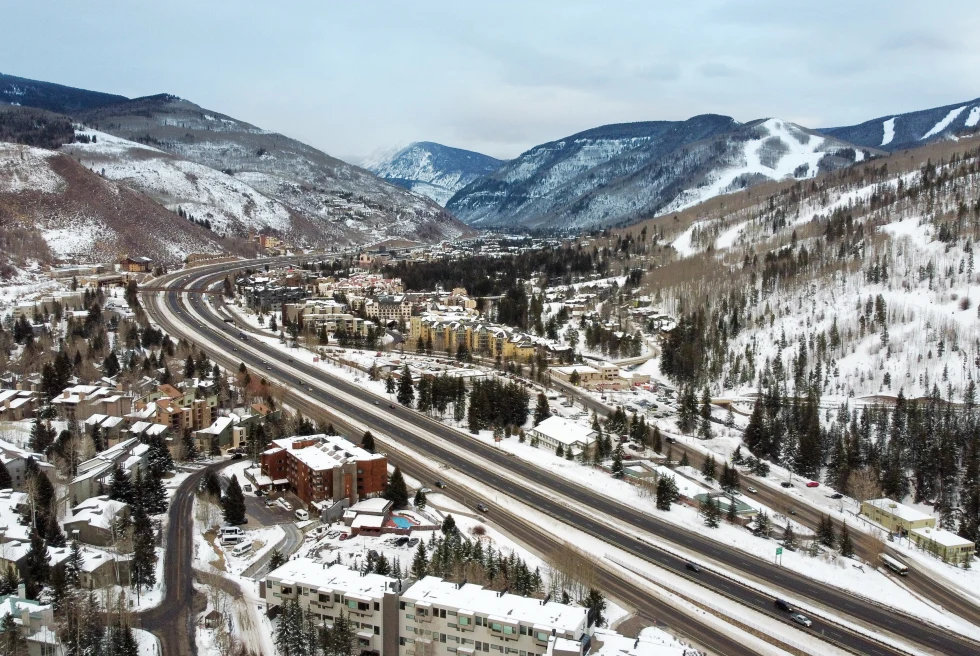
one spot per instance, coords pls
(241, 549)
(302, 515)
(231, 535)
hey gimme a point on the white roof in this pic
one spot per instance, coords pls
(333, 577)
(375, 506)
(368, 521)
(328, 451)
(97, 511)
(901, 511)
(580, 368)
(565, 431)
(943, 537)
(516, 608)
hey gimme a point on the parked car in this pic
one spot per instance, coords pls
(813, 484)
(786, 484)
(836, 495)
(285, 505)
(413, 542)
(751, 490)
(241, 549)
(344, 536)
(269, 503)
(402, 541)
(792, 511)
(784, 605)
(801, 619)
(694, 567)
(302, 515)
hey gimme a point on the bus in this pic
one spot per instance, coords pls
(894, 565)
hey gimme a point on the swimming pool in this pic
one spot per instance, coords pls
(402, 522)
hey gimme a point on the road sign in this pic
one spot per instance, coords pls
(779, 551)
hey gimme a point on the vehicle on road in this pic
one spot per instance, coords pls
(301, 514)
(751, 490)
(309, 389)
(783, 605)
(376, 403)
(290, 359)
(801, 619)
(440, 484)
(285, 505)
(694, 567)
(813, 484)
(482, 508)
(269, 503)
(895, 565)
(786, 484)
(242, 336)
(836, 495)
(792, 511)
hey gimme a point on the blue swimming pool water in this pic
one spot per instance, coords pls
(401, 522)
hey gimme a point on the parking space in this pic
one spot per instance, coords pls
(260, 513)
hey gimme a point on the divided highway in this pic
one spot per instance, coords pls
(392, 422)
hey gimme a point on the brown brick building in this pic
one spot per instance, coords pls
(325, 467)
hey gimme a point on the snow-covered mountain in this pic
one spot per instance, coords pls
(312, 197)
(434, 170)
(913, 129)
(618, 174)
(84, 216)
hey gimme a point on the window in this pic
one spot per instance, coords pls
(322, 598)
(496, 626)
(452, 613)
(377, 630)
(464, 621)
(442, 612)
(508, 630)
(452, 626)
(511, 651)
(401, 641)
(523, 630)
(409, 616)
(336, 597)
(287, 590)
(352, 604)
(542, 636)
(377, 606)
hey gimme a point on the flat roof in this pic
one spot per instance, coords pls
(515, 608)
(943, 537)
(313, 574)
(565, 431)
(899, 510)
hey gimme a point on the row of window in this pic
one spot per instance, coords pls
(464, 621)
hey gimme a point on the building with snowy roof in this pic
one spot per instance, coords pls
(475, 619)
(324, 467)
(555, 431)
(15, 460)
(896, 517)
(34, 620)
(93, 520)
(95, 473)
(943, 544)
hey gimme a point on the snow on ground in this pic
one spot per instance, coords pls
(651, 642)
(888, 128)
(943, 124)
(728, 238)
(24, 168)
(683, 242)
(78, 238)
(147, 643)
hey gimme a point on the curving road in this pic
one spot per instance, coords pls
(542, 494)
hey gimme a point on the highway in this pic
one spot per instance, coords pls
(547, 490)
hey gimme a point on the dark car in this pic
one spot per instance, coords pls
(401, 542)
(786, 484)
(694, 567)
(413, 542)
(784, 605)
(440, 484)
(482, 508)
(836, 495)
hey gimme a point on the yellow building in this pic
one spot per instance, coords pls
(895, 517)
(943, 544)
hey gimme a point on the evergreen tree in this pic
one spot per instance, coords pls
(596, 603)
(449, 526)
(789, 537)
(667, 492)
(120, 486)
(708, 468)
(6, 482)
(406, 390)
(210, 485)
(396, 491)
(420, 499)
(389, 384)
(367, 442)
(276, 560)
(233, 503)
(110, 366)
(144, 552)
(541, 411)
(617, 463)
(657, 440)
(825, 532)
(711, 512)
(704, 425)
(420, 563)
(732, 514)
(846, 543)
(36, 566)
(73, 566)
(12, 642)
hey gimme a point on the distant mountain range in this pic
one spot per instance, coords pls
(226, 173)
(913, 129)
(618, 174)
(434, 170)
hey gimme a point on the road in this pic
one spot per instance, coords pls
(287, 547)
(395, 422)
(172, 621)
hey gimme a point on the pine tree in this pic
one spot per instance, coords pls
(12, 641)
(449, 526)
(389, 384)
(6, 481)
(596, 603)
(708, 468)
(617, 463)
(406, 390)
(276, 560)
(846, 544)
(144, 552)
(541, 411)
(419, 499)
(36, 566)
(825, 532)
(667, 492)
(73, 566)
(120, 486)
(789, 537)
(711, 512)
(367, 442)
(396, 491)
(233, 503)
(704, 425)
(657, 440)
(732, 514)
(420, 564)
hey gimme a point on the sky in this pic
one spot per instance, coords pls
(358, 78)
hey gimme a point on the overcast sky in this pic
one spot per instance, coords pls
(498, 77)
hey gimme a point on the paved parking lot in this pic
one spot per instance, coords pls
(260, 515)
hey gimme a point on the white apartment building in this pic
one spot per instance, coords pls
(370, 600)
(440, 618)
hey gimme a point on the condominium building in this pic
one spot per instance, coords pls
(324, 467)
(369, 600)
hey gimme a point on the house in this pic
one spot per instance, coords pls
(321, 467)
(11, 529)
(34, 620)
(368, 516)
(370, 600)
(946, 545)
(16, 404)
(474, 619)
(15, 460)
(93, 521)
(555, 431)
(95, 473)
(896, 517)
(136, 265)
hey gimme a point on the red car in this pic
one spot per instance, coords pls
(343, 536)
(813, 484)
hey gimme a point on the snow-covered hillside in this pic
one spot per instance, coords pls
(434, 170)
(621, 173)
(910, 130)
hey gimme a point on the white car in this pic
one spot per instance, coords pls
(284, 504)
(801, 619)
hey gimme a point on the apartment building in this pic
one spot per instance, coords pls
(392, 308)
(896, 517)
(557, 430)
(369, 600)
(439, 618)
(95, 473)
(433, 617)
(324, 467)
(79, 402)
